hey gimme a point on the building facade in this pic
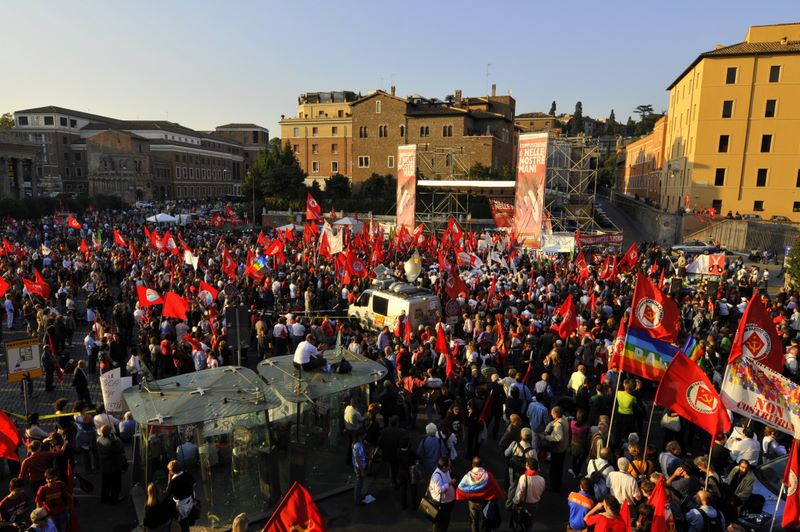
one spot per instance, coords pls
(644, 162)
(731, 140)
(19, 161)
(180, 162)
(321, 134)
(451, 136)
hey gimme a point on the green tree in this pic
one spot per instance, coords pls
(576, 122)
(793, 266)
(276, 175)
(643, 110)
(337, 187)
(481, 172)
(607, 171)
(630, 127)
(552, 109)
(611, 124)
(378, 193)
(6, 121)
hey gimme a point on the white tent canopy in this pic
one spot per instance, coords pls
(355, 225)
(290, 227)
(162, 217)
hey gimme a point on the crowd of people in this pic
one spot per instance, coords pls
(512, 387)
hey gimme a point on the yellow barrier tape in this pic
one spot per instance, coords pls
(47, 416)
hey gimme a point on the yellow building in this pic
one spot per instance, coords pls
(321, 134)
(733, 138)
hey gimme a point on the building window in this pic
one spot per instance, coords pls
(797, 182)
(378, 107)
(447, 131)
(761, 177)
(362, 132)
(774, 73)
(185, 172)
(334, 149)
(64, 140)
(424, 131)
(402, 131)
(66, 156)
(191, 173)
(363, 161)
(48, 121)
(77, 156)
(758, 205)
(334, 131)
(769, 110)
(723, 143)
(730, 76)
(390, 161)
(340, 113)
(716, 205)
(719, 177)
(335, 167)
(383, 131)
(727, 108)
(314, 131)
(315, 149)
(314, 167)
(78, 172)
(296, 132)
(766, 143)
(63, 121)
(22, 121)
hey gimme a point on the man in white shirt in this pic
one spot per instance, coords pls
(622, 485)
(745, 446)
(307, 355)
(103, 418)
(577, 379)
(9, 305)
(602, 466)
(442, 490)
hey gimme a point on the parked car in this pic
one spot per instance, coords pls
(695, 246)
(780, 219)
(755, 217)
(769, 476)
(144, 205)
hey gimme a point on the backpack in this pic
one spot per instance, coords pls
(711, 524)
(517, 462)
(599, 481)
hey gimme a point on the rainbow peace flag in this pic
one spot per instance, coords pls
(693, 349)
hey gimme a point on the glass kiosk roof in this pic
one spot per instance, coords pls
(200, 396)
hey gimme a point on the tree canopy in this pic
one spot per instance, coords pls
(6, 121)
(277, 175)
(576, 122)
(337, 187)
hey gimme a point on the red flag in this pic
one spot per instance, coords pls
(355, 265)
(274, 248)
(169, 243)
(653, 311)
(324, 246)
(313, 210)
(3, 286)
(297, 511)
(212, 292)
(38, 286)
(174, 306)
(791, 509)
(148, 297)
(454, 285)
(658, 500)
(228, 264)
(630, 259)
(757, 338)
(441, 340)
(119, 240)
(73, 223)
(84, 248)
(618, 346)
(492, 289)
(456, 233)
(134, 253)
(407, 335)
(419, 236)
(625, 514)
(686, 390)
(9, 438)
(500, 343)
(569, 318)
(262, 240)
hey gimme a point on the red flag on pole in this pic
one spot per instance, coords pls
(686, 390)
(653, 311)
(297, 511)
(73, 223)
(791, 509)
(3, 287)
(148, 297)
(119, 240)
(630, 259)
(9, 438)
(313, 210)
(486, 411)
(658, 500)
(441, 340)
(569, 318)
(174, 306)
(757, 338)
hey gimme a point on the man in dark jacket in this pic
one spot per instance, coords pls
(81, 384)
(119, 353)
(112, 463)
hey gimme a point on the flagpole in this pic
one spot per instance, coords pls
(777, 503)
(613, 410)
(649, 426)
(708, 465)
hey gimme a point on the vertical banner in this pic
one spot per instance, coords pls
(529, 197)
(406, 186)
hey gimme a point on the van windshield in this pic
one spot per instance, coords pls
(363, 299)
(380, 305)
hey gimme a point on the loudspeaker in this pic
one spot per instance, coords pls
(237, 321)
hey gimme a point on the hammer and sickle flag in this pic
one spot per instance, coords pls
(297, 512)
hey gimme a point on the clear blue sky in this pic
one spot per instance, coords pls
(208, 63)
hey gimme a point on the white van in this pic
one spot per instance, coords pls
(379, 306)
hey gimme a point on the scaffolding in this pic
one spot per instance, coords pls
(440, 162)
(571, 184)
(438, 200)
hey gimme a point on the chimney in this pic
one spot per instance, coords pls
(494, 89)
(392, 90)
(718, 46)
(458, 97)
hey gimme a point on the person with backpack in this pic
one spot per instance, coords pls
(597, 470)
(516, 455)
(704, 518)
